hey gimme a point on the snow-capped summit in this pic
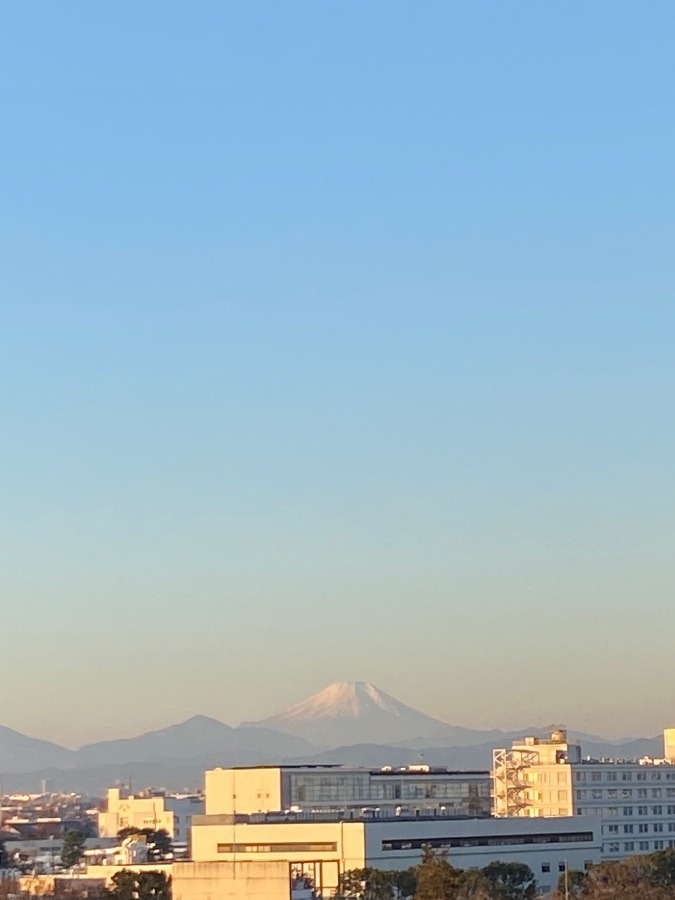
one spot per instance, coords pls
(344, 700)
(356, 712)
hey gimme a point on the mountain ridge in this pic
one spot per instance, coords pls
(349, 722)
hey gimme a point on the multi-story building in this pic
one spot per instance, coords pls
(322, 821)
(169, 812)
(634, 799)
(409, 791)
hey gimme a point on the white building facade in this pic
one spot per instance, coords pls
(169, 812)
(634, 800)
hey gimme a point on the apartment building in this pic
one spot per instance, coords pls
(633, 799)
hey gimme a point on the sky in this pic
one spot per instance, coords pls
(336, 342)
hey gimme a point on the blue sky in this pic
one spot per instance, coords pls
(337, 342)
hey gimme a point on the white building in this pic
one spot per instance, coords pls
(169, 812)
(634, 800)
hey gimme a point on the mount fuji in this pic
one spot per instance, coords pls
(355, 712)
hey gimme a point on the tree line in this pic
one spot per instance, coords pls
(644, 877)
(436, 879)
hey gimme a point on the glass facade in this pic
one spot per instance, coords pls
(453, 794)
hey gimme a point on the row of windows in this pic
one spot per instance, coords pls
(612, 812)
(447, 843)
(296, 847)
(642, 828)
(625, 776)
(626, 793)
(343, 788)
(629, 846)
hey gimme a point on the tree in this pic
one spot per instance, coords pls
(128, 885)
(572, 885)
(73, 848)
(659, 869)
(436, 878)
(376, 884)
(158, 842)
(511, 881)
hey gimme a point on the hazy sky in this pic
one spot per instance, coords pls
(337, 343)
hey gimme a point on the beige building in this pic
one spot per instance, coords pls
(231, 880)
(633, 799)
(411, 790)
(159, 811)
(317, 851)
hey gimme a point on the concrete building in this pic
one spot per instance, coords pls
(412, 790)
(171, 812)
(317, 852)
(633, 799)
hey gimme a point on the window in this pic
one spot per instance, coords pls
(482, 840)
(597, 794)
(657, 810)
(613, 847)
(628, 846)
(643, 828)
(641, 776)
(546, 867)
(658, 826)
(611, 776)
(294, 847)
(656, 776)
(627, 829)
(671, 826)
(612, 793)
(644, 845)
(658, 845)
(627, 776)
(596, 776)
(561, 867)
(614, 829)
(642, 810)
(656, 792)
(628, 810)
(642, 792)
(580, 776)
(627, 792)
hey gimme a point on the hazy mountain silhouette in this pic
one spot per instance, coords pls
(198, 737)
(352, 723)
(20, 753)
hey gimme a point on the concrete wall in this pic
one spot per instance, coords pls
(222, 880)
(242, 790)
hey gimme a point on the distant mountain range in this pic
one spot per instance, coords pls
(353, 723)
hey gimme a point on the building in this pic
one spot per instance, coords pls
(633, 799)
(413, 790)
(169, 812)
(321, 821)
(317, 852)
